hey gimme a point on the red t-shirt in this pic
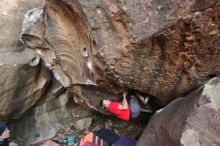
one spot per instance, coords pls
(121, 114)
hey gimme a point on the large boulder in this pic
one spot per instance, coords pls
(22, 81)
(189, 121)
(43, 121)
(164, 48)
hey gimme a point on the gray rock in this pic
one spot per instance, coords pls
(82, 124)
(42, 122)
(21, 85)
(13, 144)
(189, 121)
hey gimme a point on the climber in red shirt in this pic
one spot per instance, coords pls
(123, 110)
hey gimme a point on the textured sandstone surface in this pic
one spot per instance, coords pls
(94, 49)
(189, 121)
(162, 48)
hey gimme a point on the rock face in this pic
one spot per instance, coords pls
(42, 122)
(190, 121)
(163, 48)
(21, 84)
(60, 36)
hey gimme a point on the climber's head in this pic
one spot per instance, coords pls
(104, 103)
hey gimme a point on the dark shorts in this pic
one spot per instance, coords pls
(135, 107)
